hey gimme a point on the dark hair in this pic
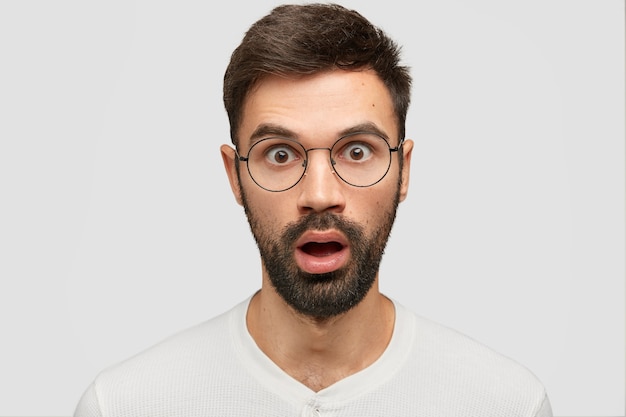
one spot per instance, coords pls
(296, 40)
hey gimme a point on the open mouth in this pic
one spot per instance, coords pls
(320, 252)
(321, 249)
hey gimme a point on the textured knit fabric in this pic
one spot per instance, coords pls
(216, 369)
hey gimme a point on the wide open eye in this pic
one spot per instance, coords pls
(277, 153)
(356, 152)
(281, 155)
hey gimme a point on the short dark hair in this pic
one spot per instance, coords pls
(297, 40)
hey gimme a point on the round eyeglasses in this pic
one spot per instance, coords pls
(360, 159)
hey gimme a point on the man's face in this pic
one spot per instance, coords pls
(321, 241)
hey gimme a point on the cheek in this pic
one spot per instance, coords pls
(372, 210)
(267, 213)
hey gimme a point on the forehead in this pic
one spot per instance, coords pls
(318, 107)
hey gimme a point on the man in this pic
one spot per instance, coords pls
(317, 102)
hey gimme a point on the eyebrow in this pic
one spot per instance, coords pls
(365, 127)
(270, 129)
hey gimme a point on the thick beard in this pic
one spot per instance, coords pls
(322, 296)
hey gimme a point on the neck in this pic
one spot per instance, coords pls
(319, 352)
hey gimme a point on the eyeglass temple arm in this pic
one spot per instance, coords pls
(397, 148)
(239, 157)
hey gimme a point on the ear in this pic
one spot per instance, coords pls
(407, 150)
(228, 157)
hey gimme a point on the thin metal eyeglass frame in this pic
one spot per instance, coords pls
(330, 152)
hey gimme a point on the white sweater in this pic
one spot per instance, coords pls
(216, 369)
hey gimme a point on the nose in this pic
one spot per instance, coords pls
(320, 188)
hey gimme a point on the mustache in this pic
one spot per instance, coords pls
(322, 221)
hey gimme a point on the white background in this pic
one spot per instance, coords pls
(117, 227)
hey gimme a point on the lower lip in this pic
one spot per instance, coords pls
(321, 264)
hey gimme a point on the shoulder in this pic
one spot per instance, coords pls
(211, 336)
(195, 357)
(447, 347)
(462, 370)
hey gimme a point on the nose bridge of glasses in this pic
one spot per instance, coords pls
(330, 156)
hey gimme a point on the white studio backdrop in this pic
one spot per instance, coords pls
(118, 228)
